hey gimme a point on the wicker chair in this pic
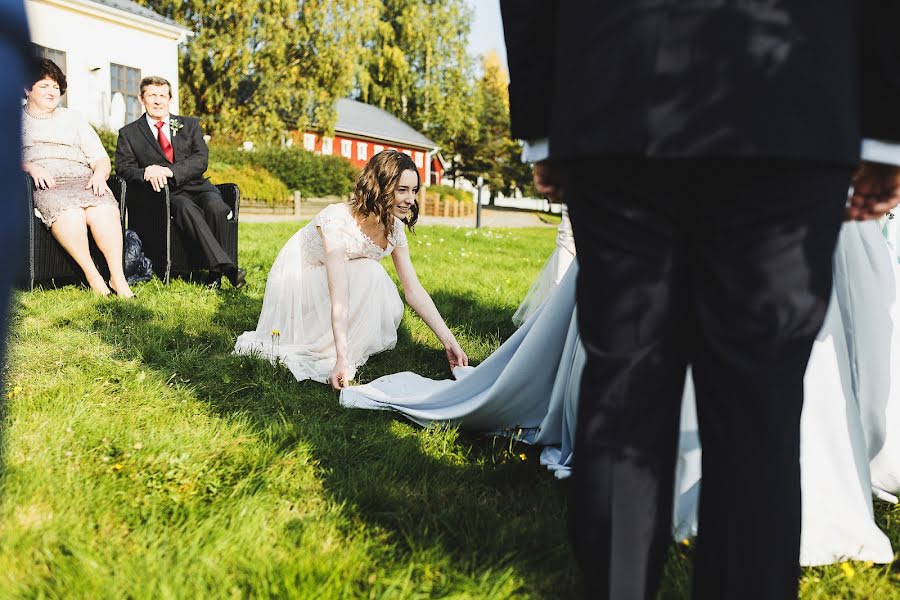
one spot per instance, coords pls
(47, 262)
(150, 216)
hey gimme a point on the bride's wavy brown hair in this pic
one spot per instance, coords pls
(376, 184)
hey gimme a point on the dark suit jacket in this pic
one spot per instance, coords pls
(800, 79)
(137, 148)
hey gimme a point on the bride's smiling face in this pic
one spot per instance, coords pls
(405, 194)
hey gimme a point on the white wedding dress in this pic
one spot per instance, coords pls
(528, 389)
(294, 326)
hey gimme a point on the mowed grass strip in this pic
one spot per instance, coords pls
(141, 459)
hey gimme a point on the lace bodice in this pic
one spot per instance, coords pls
(65, 143)
(336, 222)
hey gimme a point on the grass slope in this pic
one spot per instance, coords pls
(141, 459)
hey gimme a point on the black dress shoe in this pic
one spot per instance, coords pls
(213, 280)
(238, 278)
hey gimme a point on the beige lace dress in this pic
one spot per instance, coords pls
(66, 145)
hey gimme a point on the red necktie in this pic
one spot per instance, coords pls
(164, 142)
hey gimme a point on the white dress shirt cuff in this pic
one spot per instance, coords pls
(536, 150)
(881, 152)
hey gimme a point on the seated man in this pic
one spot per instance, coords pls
(161, 149)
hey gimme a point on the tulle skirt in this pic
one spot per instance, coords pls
(294, 327)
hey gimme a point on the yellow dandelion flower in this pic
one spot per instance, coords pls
(685, 542)
(522, 456)
(275, 332)
(848, 570)
(118, 466)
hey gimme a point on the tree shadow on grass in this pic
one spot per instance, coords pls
(473, 501)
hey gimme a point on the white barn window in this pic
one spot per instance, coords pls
(419, 159)
(346, 148)
(326, 145)
(309, 141)
(362, 150)
(377, 148)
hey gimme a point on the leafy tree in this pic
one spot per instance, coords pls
(492, 153)
(255, 68)
(417, 66)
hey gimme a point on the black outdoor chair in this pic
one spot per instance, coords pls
(150, 216)
(46, 261)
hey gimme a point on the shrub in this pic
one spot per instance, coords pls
(254, 182)
(314, 175)
(108, 138)
(228, 155)
(445, 190)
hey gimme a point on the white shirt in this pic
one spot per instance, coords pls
(151, 122)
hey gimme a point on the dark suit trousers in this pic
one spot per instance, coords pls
(724, 265)
(202, 217)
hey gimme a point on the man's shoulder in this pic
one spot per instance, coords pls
(132, 127)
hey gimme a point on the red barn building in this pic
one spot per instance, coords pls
(363, 131)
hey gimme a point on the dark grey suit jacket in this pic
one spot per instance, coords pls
(799, 79)
(137, 148)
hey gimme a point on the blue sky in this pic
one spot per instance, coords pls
(487, 28)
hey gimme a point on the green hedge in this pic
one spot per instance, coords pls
(254, 182)
(445, 190)
(314, 175)
(108, 138)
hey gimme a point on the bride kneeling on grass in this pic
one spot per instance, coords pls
(329, 304)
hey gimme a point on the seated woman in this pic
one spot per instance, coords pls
(64, 156)
(329, 304)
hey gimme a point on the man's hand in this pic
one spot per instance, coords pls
(97, 184)
(876, 190)
(158, 176)
(547, 180)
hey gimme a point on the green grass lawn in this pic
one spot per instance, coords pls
(140, 459)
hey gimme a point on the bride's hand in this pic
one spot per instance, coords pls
(340, 375)
(455, 355)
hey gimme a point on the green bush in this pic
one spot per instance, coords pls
(108, 138)
(254, 182)
(314, 175)
(228, 155)
(445, 190)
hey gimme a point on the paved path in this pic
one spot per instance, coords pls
(490, 217)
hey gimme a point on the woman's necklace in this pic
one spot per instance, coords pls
(47, 116)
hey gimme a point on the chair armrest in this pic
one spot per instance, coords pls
(119, 188)
(232, 197)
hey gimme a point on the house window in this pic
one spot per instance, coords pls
(346, 148)
(309, 141)
(326, 145)
(377, 148)
(126, 81)
(419, 160)
(407, 152)
(57, 56)
(362, 149)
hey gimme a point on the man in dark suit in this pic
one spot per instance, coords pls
(164, 149)
(705, 150)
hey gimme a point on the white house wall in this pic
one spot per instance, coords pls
(92, 41)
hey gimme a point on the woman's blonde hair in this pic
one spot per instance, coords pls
(376, 184)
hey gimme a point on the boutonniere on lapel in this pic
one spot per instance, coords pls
(174, 126)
